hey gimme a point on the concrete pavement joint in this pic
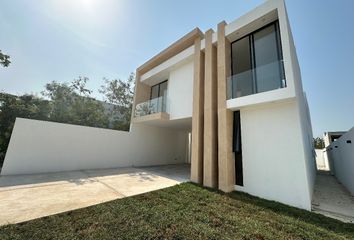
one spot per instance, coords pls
(112, 188)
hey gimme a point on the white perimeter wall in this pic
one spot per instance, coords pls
(274, 164)
(342, 158)
(180, 91)
(321, 160)
(40, 147)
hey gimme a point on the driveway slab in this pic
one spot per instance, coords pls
(26, 197)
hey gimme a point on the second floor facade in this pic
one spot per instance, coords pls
(260, 61)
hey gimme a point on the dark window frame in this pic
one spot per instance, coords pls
(252, 54)
(158, 92)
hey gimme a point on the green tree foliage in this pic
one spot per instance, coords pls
(120, 93)
(26, 106)
(72, 103)
(319, 143)
(4, 59)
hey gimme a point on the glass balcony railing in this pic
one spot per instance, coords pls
(152, 106)
(260, 79)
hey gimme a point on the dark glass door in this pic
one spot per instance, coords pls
(237, 149)
(158, 97)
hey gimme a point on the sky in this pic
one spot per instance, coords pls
(63, 39)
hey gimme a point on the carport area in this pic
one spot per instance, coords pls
(332, 199)
(26, 197)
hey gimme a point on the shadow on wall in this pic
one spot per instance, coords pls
(43, 147)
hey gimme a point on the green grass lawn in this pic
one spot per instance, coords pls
(186, 211)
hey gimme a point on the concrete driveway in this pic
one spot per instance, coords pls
(26, 197)
(332, 199)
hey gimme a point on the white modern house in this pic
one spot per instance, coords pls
(228, 101)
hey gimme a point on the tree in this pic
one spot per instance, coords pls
(72, 103)
(79, 86)
(4, 59)
(120, 94)
(319, 143)
(61, 98)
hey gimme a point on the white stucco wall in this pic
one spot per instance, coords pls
(180, 91)
(159, 72)
(39, 147)
(342, 158)
(278, 155)
(274, 166)
(321, 160)
(307, 141)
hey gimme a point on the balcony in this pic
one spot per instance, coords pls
(154, 109)
(260, 79)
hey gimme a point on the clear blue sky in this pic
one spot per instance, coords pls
(63, 39)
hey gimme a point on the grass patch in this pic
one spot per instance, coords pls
(185, 211)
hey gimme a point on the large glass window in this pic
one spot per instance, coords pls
(257, 64)
(159, 90)
(266, 58)
(158, 97)
(163, 89)
(154, 92)
(242, 67)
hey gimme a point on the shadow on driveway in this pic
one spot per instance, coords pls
(26, 197)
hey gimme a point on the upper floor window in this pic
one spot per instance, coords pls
(156, 103)
(158, 97)
(159, 90)
(257, 63)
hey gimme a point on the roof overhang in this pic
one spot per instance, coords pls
(183, 43)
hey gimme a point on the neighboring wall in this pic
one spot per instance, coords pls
(274, 166)
(321, 160)
(180, 91)
(341, 153)
(39, 147)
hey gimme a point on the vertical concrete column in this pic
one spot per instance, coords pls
(225, 117)
(210, 155)
(198, 114)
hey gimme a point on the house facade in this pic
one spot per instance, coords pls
(228, 101)
(238, 89)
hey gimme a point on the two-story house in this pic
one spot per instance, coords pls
(228, 101)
